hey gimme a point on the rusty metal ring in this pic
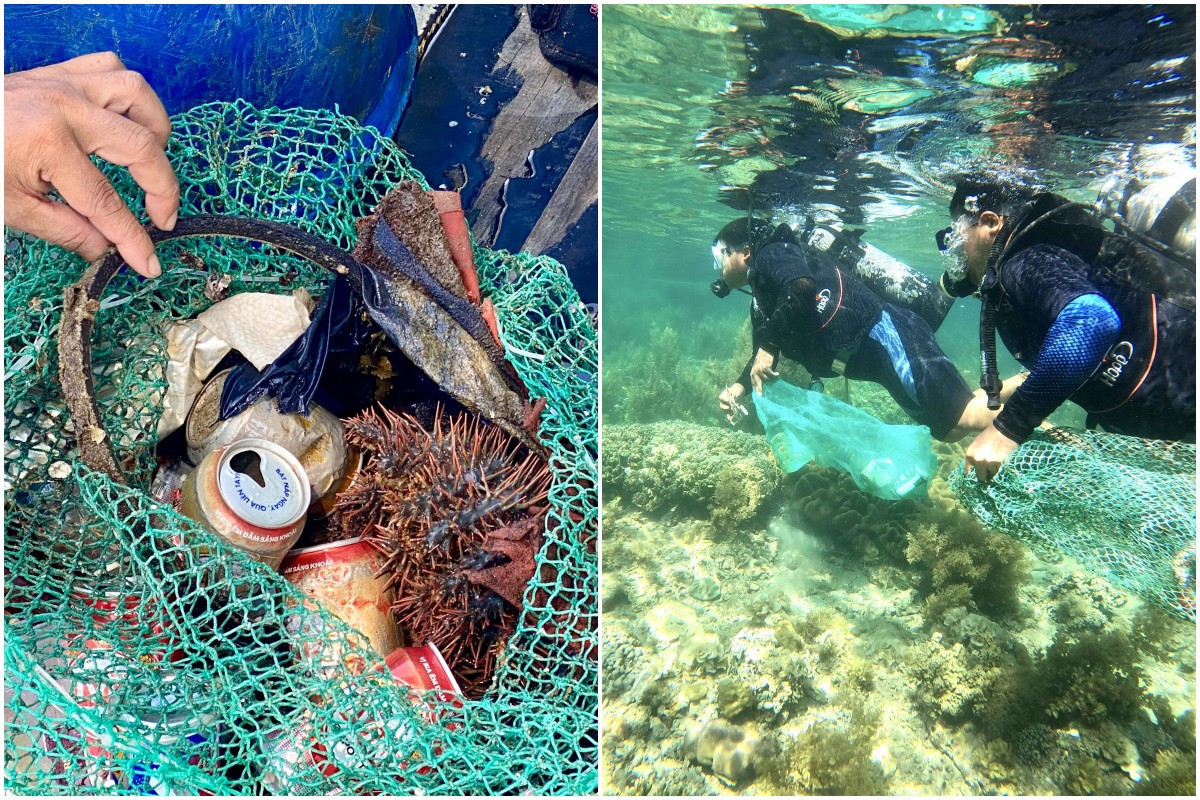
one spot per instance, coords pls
(81, 302)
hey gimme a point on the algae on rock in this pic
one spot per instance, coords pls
(834, 757)
(965, 564)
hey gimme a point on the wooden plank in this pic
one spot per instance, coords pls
(576, 191)
(548, 101)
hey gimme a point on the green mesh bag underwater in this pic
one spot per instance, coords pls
(131, 666)
(1124, 507)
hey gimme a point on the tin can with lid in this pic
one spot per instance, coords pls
(252, 494)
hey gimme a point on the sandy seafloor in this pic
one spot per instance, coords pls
(806, 658)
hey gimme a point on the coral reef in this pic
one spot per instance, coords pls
(828, 502)
(718, 472)
(988, 669)
(456, 511)
(732, 752)
(1083, 605)
(778, 677)
(735, 699)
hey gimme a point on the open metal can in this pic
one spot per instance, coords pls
(252, 494)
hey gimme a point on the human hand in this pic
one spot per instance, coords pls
(988, 452)
(731, 403)
(54, 118)
(763, 370)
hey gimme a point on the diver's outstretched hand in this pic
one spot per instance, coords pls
(54, 118)
(763, 370)
(988, 453)
(731, 402)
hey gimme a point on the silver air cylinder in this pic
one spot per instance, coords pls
(889, 277)
(1164, 209)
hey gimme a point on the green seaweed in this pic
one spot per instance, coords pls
(965, 565)
(834, 757)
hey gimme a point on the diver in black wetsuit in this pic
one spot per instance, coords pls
(1126, 355)
(809, 310)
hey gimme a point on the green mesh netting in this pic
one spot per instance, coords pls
(1123, 507)
(130, 665)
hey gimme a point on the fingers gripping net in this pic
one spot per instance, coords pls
(1123, 507)
(132, 666)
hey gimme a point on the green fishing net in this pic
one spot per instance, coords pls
(131, 665)
(1124, 507)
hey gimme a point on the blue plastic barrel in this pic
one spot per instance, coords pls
(359, 58)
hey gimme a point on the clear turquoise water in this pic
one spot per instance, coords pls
(873, 125)
(856, 115)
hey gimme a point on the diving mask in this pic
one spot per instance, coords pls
(719, 252)
(950, 242)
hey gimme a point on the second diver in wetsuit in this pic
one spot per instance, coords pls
(826, 319)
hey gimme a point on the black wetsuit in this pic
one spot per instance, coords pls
(814, 313)
(1125, 356)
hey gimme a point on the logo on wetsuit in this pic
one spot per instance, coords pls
(823, 297)
(1120, 355)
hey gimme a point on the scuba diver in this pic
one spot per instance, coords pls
(1104, 319)
(809, 309)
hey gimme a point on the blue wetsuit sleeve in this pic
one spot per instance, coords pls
(1075, 345)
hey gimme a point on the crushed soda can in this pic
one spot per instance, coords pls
(160, 721)
(343, 577)
(317, 440)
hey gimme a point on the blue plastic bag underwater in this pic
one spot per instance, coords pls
(887, 461)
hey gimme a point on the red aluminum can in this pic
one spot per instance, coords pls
(422, 668)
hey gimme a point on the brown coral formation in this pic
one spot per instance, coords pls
(727, 474)
(458, 512)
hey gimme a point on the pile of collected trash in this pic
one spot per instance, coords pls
(314, 512)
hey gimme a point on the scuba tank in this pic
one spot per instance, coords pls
(1164, 210)
(1141, 252)
(888, 277)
